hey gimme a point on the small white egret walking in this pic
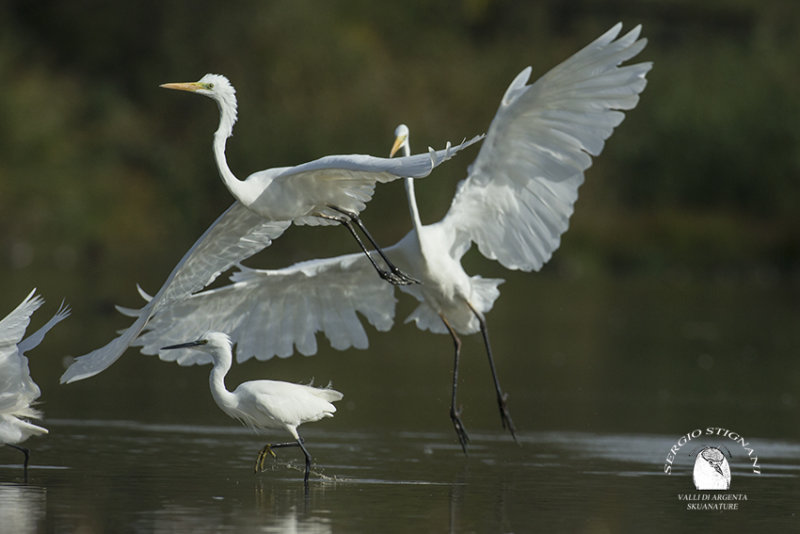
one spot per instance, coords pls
(18, 391)
(328, 190)
(331, 190)
(514, 204)
(264, 404)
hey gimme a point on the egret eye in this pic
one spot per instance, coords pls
(210, 85)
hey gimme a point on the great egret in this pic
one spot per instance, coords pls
(268, 202)
(325, 195)
(518, 196)
(514, 204)
(18, 391)
(264, 404)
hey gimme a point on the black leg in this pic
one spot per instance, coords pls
(26, 452)
(505, 416)
(308, 461)
(383, 273)
(405, 279)
(455, 413)
(393, 275)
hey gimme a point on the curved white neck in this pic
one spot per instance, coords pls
(225, 130)
(216, 381)
(229, 179)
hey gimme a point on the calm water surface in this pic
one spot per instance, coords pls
(603, 378)
(103, 476)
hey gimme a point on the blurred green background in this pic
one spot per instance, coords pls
(106, 179)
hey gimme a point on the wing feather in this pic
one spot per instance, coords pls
(277, 312)
(18, 391)
(13, 325)
(519, 194)
(236, 235)
(348, 181)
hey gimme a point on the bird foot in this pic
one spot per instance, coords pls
(505, 416)
(463, 437)
(262, 457)
(397, 277)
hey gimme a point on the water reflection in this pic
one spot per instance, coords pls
(100, 476)
(22, 508)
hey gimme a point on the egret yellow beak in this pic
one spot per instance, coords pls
(186, 86)
(401, 139)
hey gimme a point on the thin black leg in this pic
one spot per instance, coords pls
(406, 279)
(308, 461)
(394, 275)
(383, 273)
(26, 452)
(505, 416)
(455, 413)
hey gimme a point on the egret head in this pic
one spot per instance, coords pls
(401, 139)
(217, 344)
(215, 86)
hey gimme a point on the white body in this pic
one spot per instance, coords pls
(445, 289)
(18, 391)
(264, 404)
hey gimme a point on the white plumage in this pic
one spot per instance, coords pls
(263, 404)
(18, 391)
(278, 312)
(327, 190)
(514, 205)
(333, 189)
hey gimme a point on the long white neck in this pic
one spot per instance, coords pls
(227, 118)
(216, 381)
(412, 203)
(412, 198)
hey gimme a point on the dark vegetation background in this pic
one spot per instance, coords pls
(106, 179)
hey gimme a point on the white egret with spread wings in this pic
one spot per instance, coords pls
(514, 205)
(319, 192)
(18, 391)
(326, 196)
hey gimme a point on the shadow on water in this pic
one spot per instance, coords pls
(100, 476)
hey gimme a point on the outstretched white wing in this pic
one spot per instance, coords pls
(236, 235)
(519, 194)
(13, 325)
(275, 312)
(17, 388)
(33, 340)
(348, 181)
